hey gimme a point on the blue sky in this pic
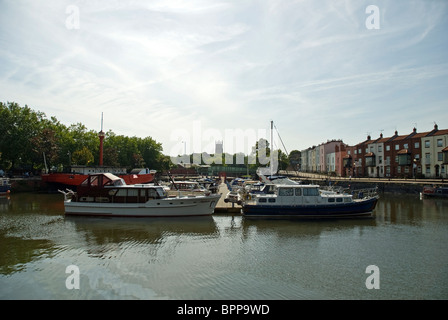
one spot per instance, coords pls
(195, 70)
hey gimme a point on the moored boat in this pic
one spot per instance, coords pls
(307, 201)
(282, 197)
(435, 192)
(5, 186)
(108, 195)
(79, 173)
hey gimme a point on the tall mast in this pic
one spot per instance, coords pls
(271, 162)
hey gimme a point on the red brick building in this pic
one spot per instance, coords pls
(413, 155)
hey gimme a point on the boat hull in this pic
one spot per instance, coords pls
(5, 187)
(169, 207)
(362, 208)
(73, 180)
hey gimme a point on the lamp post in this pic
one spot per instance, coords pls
(414, 166)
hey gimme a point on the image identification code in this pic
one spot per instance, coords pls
(231, 309)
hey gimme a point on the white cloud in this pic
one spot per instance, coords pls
(152, 66)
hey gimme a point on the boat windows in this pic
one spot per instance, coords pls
(262, 200)
(121, 193)
(94, 181)
(330, 199)
(298, 191)
(271, 200)
(268, 189)
(338, 199)
(152, 194)
(285, 191)
(310, 192)
(161, 193)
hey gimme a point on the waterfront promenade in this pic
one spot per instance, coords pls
(324, 177)
(392, 185)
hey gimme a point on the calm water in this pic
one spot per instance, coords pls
(223, 256)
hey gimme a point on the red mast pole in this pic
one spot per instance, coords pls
(101, 135)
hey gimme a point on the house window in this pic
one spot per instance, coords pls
(428, 157)
(406, 146)
(397, 147)
(439, 156)
(417, 157)
(417, 145)
(439, 142)
(426, 143)
(380, 148)
(428, 170)
(387, 148)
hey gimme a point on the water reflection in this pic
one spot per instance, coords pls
(140, 230)
(16, 252)
(223, 256)
(297, 228)
(22, 203)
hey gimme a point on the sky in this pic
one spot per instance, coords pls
(189, 73)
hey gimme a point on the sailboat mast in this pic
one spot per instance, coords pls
(271, 165)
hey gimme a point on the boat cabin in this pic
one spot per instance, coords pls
(297, 195)
(107, 187)
(187, 188)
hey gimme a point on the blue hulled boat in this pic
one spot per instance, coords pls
(5, 186)
(308, 201)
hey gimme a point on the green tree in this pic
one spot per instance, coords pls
(18, 127)
(294, 159)
(83, 157)
(45, 143)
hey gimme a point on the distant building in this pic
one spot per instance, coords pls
(399, 156)
(219, 149)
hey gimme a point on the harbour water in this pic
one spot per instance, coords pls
(224, 256)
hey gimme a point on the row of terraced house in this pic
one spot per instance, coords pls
(413, 155)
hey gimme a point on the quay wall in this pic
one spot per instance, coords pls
(35, 184)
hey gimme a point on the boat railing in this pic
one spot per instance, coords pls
(364, 193)
(68, 194)
(333, 189)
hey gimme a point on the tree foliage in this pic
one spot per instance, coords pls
(27, 136)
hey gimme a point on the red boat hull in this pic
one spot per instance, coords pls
(74, 179)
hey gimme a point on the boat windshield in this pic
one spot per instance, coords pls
(161, 192)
